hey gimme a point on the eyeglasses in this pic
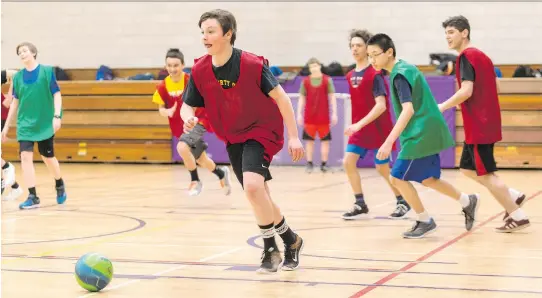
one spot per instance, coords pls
(374, 56)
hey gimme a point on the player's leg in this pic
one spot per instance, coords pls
(402, 207)
(185, 147)
(8, 178)
(26, 149)
(350, 160)
(478, 163)
(223, 172)
(404, 171)
(309, 134)
(47, 151)
(293, 243)
(324, 132)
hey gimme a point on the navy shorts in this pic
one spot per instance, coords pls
(417, 169)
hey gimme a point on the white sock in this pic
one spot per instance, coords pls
(514, 193)
(518, 215)
(464, 200)
(424, 217)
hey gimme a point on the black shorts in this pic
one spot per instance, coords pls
(45, 147)
(248, 157)
(3, 123)
(479, 158)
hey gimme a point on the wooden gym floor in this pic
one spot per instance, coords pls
(165, 244)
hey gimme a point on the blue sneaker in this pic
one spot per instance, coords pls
(61, 194)
(31, 202)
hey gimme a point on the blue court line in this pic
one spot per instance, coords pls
(246, 267)
(306, 283)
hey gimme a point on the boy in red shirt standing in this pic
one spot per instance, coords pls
(245, 105)
(371, 124)
(315, 93)
(191, 146)
(478, 96)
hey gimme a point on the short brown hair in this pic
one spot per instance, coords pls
(458, 22)
(30, 46)
(175, 53)
(224, 18)
(361, 33)
(313, 60)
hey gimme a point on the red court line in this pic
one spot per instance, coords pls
(430, 254)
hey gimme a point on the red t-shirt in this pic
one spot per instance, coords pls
(481, 112)
(5, 110)
(317, 102)
(375, 133)
(242, 112)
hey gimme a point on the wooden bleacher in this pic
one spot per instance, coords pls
(115, 121)
(107, 121)
(521, 112)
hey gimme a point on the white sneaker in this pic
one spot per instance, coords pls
(13, 194)
(9, 175)
(225, 182)
(195, 188)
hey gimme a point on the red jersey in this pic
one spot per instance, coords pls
(375, 133)
(5, 110)
(317, 102)
(176, 122)
(242, 112)
(481, 112)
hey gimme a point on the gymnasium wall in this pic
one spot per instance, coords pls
(119, 34)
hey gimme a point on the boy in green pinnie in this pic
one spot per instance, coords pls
(423, 134)
(38, 104)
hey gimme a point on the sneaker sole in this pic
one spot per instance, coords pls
(292, 269)
(360, 216)
(422, 236)
(475, 211)
(30, 207)
(265, 271)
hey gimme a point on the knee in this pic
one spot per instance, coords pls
(252, 186)
(350, 163)
(382, 169)
(27, 156)
(394, 181)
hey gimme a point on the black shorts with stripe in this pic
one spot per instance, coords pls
(479, 158)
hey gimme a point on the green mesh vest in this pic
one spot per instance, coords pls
(427, 132)
(36, 106)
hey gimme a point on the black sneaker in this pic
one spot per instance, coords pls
(271, 260)
(359, 211)
(470, 211)
(325, 168)
(420, 229)
(291, 254)
(401, 210)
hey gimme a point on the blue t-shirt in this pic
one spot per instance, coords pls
(30, 77)
(379, 88)
(404, 90)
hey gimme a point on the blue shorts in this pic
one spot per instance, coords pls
(362, 152)
(417, 169)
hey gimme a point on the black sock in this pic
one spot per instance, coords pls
(309, 163)
(324, 163)
(32, 191)
(284, 231)
(218, 172)
(59, 182)
(359, 199)
(15, 185)
(194, 175)
(6, 165)
(401, 200)
(268, 233)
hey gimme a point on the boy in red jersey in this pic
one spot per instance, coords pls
(371, 124)
(245, 105)
(478, 96)
(315, 93)
(191, 146)
(8, 170)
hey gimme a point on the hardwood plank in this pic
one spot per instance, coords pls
(114, 118)
(513, 118)
(527, 135)
(109, 102)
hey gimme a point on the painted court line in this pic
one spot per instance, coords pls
(124, 284)
(389, 277)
